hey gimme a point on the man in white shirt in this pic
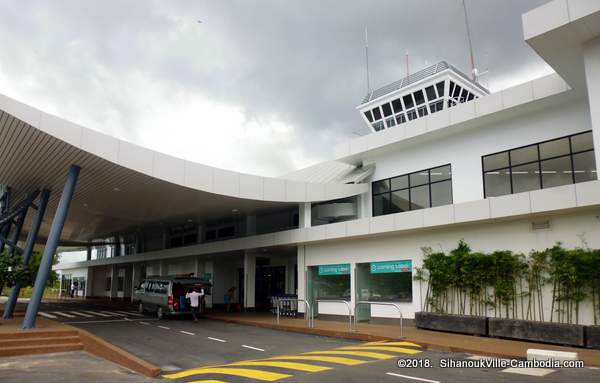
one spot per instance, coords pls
(195, 297)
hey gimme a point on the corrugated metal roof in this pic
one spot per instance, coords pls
(411, 79)
(325, 172)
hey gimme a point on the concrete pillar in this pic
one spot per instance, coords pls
(162, 268)
(199, 267)
(249, 279)
(591, 56)
(89, 283)
(88, 255)
(209, 270)
(304, 215)
(114, 275)
(301, 260)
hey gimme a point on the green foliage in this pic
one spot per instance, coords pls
(511, 284)
(13, 271)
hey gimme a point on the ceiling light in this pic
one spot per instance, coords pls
(116, 189)
(234, 210)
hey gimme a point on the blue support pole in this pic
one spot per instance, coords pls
(51, 244)
(10, 305)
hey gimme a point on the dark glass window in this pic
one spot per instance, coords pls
(397, 105)
(440, 88)
(400, 119)
(376, 114)
(378, 126)
(457, 90)
(390, 122)
(451, 90)
(369, 116)
(417, 190)
(412, 114)
(408, 101)
(387, 109)
(430, 93)
(470, 96)
(419, 98)
(422, 111)
(551, 163)
(436, 106)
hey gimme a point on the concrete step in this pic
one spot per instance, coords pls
(39, 334)
(40, 349)
(41, 341)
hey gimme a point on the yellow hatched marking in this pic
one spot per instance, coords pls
(207, 381)
(243, 372)
(329, 359)
(386, 343)
(383, 348)
(366, 354)
(290, 365)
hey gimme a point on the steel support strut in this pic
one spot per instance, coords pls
(51, 244)
(10, 305)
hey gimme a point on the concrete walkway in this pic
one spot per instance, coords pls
(433, 340)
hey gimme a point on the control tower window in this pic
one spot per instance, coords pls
(440, 88)
(387, 109)
(397, 105)
(376, 114)
(369, 115)
(430, 93)
(419, 98)
(408, 101)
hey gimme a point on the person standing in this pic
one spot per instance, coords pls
(194, 296)
(72, 289)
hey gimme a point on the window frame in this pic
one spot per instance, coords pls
(387, 209)
(538, 161)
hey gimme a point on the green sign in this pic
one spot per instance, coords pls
(339, 269)
(391, 267)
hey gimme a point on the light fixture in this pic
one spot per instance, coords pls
(234, 210)
(116, 189)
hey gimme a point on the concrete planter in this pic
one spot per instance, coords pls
(546, 332)
(592, 337)
(463, 324)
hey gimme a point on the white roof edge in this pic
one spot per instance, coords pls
(176, 170)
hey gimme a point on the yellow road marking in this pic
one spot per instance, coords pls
(329, 359)
(290, 365)
(386, 343)
(207, 381)
(243, 372)
(367, 354)
(382, 348)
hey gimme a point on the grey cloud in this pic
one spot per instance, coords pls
(301, 62)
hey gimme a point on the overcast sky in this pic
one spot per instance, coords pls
(264, 87)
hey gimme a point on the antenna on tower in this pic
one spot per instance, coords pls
(367, 59)
(473, 68)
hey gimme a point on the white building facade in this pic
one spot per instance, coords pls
(445, 161)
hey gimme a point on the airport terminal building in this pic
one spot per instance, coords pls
(445, 160)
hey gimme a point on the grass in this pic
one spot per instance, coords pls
(49, 292)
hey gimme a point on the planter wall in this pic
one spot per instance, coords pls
(592, 336)
(462, 324)
(557, 333)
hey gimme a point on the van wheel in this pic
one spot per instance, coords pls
(159, 313)
(141, 308)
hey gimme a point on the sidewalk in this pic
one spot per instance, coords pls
(433, 340)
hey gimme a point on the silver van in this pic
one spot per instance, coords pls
(166, 295)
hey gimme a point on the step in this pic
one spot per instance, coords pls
(22, 334)
(537, 354)
(45, 349)
(38, 341)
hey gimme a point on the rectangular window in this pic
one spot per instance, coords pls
(387, 109)
(369, 116)
(377, 126)
(430, 93)
(412, 115)
(376, 114)
(417, 190)
(408, 101)
(422, 111)
(387, 281)
(390, 122)
(440, 88)
(397, 105)
(400, 119)
(436, 106)
(551, 163)
(331, 281)
(419, 98)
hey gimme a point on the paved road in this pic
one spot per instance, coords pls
(213, 351)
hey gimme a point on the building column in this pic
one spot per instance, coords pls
(249, 279)
(591, 56)
(89, 283)
(304, 215)
(250, 225)
(114, 276)
(88, 249)
(209, 270)
(51, 244)
(301, 261)
(128, 282)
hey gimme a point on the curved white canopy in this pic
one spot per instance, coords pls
(123, 185)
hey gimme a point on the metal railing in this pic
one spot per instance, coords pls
(396, 305)
(339, 301)
(310, 316)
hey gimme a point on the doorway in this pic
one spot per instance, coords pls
(270, 281)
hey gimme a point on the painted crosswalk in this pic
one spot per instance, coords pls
(309, 362)
(89, 314)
